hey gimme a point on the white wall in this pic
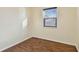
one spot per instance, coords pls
(77, 36)
(11, 26)
(66, 26)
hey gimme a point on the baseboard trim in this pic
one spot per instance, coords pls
(55, 40)
(14, 44)
(59, 42)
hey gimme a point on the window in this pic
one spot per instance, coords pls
(50, 17)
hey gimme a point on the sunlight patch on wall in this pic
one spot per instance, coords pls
(25, 23)
(23, 17)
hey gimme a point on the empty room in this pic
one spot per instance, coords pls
(39, 29)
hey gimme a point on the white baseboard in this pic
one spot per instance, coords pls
(14, 44)
(56, 40)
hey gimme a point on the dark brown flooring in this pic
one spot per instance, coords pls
(41, 45)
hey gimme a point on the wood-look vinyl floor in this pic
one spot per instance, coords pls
(40, 45)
